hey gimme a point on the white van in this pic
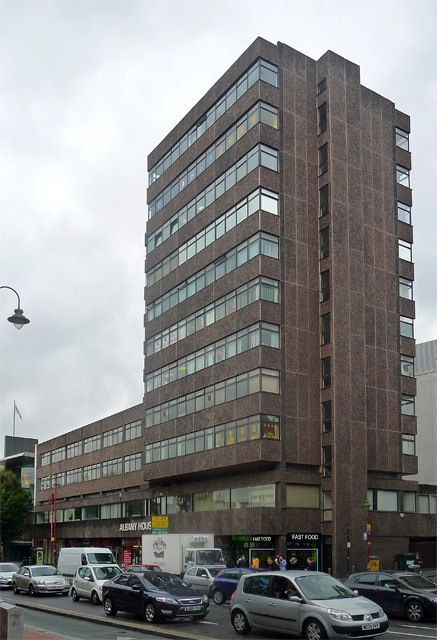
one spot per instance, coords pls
(71, 558)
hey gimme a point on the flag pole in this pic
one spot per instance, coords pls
(13, 431)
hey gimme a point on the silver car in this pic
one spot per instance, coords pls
(202, 577)
(304, 603)
(41, 578)
(88, 581)
(7, 570)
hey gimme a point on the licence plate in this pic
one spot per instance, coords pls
(192, 608)
(371, 625)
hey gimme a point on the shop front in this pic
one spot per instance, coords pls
(300, 547)
(250, 546)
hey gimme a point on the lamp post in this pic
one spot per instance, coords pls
(366, 505)
(18, 319)
(54, 500)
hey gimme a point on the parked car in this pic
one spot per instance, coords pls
(309, 604)
(41, 578)
(140, 568)
(88, 582)
(154, 594)
(7, 570)
(403, 593)
(202, 577)
(226, 582)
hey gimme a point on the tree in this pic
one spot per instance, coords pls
(15, 505)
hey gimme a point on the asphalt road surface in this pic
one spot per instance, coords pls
(83, 621)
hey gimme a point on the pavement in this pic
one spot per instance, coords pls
(32, 634)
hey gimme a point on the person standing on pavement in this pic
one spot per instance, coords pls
(282, 563)
(311, 565)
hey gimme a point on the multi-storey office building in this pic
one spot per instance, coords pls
(279, 351)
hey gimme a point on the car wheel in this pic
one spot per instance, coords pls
(414, 611)
(15, 589)
(239, 622)
(74, 595)
(95, 598)
(150, 612)
(313, 630)
(31, 590)
(109, 607)
(219, 597)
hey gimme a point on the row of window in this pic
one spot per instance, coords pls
(257, 289)
(259, 244)
(260, 70)
(105, 469)
(259, 155)
(222, 435)
(258, 334)
(261, 112)
(261, 199)
(245, 384)
(108, 438)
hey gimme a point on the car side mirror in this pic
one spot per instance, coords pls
(295, 598)
(136, 587)
(90, 579)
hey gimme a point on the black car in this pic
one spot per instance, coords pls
(154, 594)
(398, 592)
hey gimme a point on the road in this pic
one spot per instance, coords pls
(83, 621)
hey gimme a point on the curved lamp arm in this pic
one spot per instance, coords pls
(18, 319)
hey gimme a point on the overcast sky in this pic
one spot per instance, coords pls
(88, 88)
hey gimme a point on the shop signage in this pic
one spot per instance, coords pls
(251, 538)
(159, 525)
(136, 526)
(303, 537)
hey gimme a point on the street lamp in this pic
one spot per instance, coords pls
(18, 319)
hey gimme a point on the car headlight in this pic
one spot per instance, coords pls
(432, 598)
(335, 614)
(381, 613)
(41, 582)
(167, 600)
(205, 598)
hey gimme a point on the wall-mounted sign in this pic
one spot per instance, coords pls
(159, 524)
(136, 526)
(303, 537)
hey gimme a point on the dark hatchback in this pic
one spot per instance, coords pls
(154, 594)
(402, 593)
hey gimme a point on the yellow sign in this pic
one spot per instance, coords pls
(159, 522)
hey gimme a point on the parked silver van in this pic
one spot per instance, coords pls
(71, 558)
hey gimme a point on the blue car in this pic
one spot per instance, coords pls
(226, 582)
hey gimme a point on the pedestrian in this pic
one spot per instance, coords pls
(276, 563)
(282, 563)
(255, 562)
(311, 564)
(270, 563)
(241, 562)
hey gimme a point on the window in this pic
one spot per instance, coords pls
(91, 444)
(427, 504)
(327, 461)
(406, 327)
(248, 497)
(407, 405)
(74, 449)
(326, 372)
(325, 328)
(322, 117)
(324, 286)
(112, 467)
(321, 86)
(110, 511)
(381, 500)
(58, 454)
(323, 159)
(406, 288)
(408, 445)
(45, 459)
(302, 496)
(409, 501)
(74, 476)
(91, 513)
(132, 463)
(326, 416)
(324, 243)
(114, 436)
(324, 200)
(91, 472)
(405, 250)
(327, 505)
(134, 508)
(133, 430)
(404, 213)
(402, 176)
(402, 140)
(407, 365)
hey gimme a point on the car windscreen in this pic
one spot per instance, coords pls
(320, 587)
(44, 571)
(416, 581)
(8, 567)
(214, 571)
(100, 558)
(209, 556)
(106, 573)
(156, 580)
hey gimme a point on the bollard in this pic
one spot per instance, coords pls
(11, 622)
